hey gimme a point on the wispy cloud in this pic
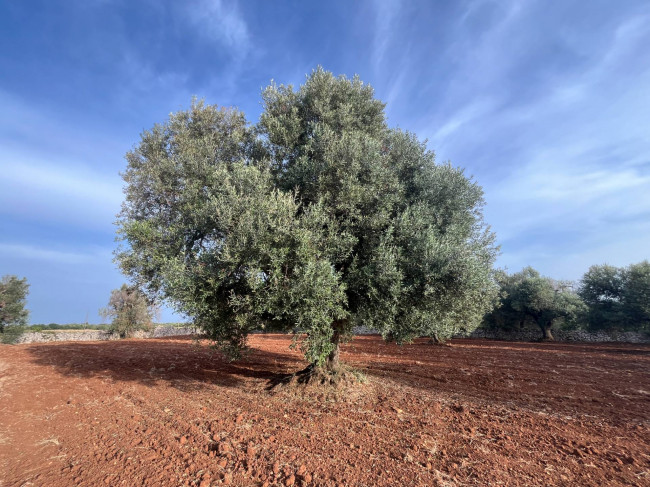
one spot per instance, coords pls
(55, 192)
(558, 138)
(37, 253)
(386, 13)
(221, 21)
(471, 112)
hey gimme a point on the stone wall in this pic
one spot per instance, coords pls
(530, 335)
(93, 335)
(534, 334)
(526, 335)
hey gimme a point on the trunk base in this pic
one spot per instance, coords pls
(547, 336)
(320, 381)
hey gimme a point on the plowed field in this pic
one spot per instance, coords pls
(172, 412)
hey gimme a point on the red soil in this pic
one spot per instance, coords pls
(172, 412)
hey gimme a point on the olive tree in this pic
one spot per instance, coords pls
(636, 297)
(529, 296)
(618, 297)
(13, 294)
(319, 218)
(601, 288)
(505, 316)
(129, 310)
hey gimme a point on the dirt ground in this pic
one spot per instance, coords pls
(172, 412)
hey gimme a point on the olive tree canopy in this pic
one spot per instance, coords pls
(319, 218)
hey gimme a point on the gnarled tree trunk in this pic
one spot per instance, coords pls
(435, 340)
(547, 336)
(332, 363)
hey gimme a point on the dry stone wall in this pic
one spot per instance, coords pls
(527, 335)
(93, 335)
(530, 335)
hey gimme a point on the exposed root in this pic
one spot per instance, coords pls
(343, 384)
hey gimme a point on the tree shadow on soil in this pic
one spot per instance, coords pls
(181, 362)
(571, 378)
(528, 374)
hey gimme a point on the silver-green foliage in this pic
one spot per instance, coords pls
(318, 218)
(13, 295)
(129, 310)
(618, 297)
(527, 296)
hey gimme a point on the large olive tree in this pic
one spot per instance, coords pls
(319, 218)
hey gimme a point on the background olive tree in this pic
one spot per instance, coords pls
(13, 296)
(129, 310)
(601, 288)
(319, 218)
(618, 298)
(527, 296)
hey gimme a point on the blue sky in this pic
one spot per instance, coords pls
(545, 103)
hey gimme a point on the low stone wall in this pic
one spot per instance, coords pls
(534, 334)
(526, 335)
(94, 335)
(530, 335)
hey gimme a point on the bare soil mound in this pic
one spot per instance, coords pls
(173, 412)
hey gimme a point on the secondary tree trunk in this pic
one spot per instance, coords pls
(546, 332)
(435, 340)
(332, 363)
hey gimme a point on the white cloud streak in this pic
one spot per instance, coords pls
(386, 12)
(55, 192)
(567, 173)
(222, 22)
(38, 253)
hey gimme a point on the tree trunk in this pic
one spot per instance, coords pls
(435, 340)
(547, 336)
(332, 363)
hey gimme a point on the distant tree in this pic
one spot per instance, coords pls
(13, 295)
(618, 298)
(602, 290)
(129, 310)
(320, 218)
(504, 316)
(636, 296)
(528, 296)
